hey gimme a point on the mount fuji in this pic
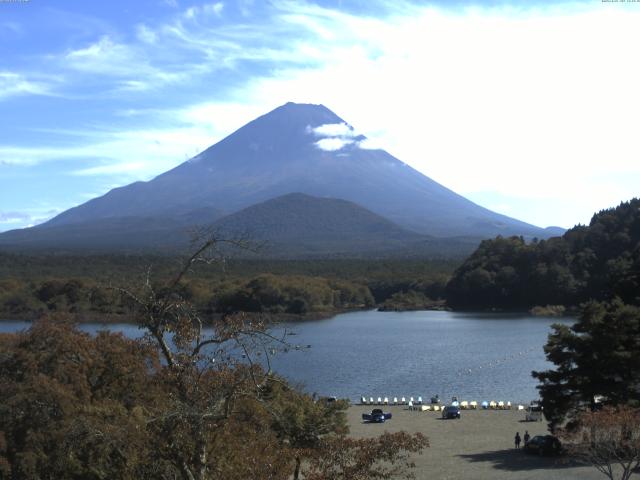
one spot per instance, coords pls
(296, 148)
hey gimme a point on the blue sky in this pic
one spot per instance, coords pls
(528, 109)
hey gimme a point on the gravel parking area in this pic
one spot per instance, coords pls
(478, 446)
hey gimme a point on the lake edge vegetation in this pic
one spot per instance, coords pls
(31, 286)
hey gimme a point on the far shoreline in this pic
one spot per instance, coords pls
(276, 318)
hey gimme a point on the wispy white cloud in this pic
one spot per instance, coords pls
(129, 64)
(146, 35)
(207, 9)
(28, 218)
(130, 155)
(334, 130)
(212, 8)
(13, 84)
(332, 144)
(14, 217)
(333, 136)
(370, 144)
(113, 168)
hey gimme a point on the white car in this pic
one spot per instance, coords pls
(534, 412)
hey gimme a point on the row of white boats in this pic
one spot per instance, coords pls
(435, 403)
(533, 410)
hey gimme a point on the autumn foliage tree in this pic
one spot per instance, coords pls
(72, 405)
(608, 439)
(383, 457)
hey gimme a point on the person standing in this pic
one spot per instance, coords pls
(526, 437)
(517, 439)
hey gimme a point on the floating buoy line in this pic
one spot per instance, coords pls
(495, 363)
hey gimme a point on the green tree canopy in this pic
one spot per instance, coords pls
(597, 356)
(600, 262)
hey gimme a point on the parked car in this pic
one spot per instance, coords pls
(452, 411)
(534, 411)
(376, 416)
(544, 445)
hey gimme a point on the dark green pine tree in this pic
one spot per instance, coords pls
(598, 355)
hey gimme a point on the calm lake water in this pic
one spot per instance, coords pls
(474, 356)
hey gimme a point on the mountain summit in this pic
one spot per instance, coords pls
(298, 148)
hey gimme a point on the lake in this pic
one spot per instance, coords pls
(475, 356)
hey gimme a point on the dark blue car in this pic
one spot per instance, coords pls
(452, 411)
(544, 445)
(376, 416)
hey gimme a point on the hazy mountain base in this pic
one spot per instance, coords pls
(291, 226)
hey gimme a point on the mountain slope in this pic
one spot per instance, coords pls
(296, 224)
(121, 234)
(279, 153)
(291, 226)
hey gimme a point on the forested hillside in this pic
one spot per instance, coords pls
(599, 261)
(31, 286)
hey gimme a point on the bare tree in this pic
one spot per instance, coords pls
(211, 383)
(608, 439)
(209, 365)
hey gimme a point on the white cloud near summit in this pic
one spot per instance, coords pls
(334, 130)
(332, 144)
(334, 136)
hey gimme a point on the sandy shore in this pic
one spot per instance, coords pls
(479, 446)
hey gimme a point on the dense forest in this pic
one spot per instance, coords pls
(600, 261)
(88, 286)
